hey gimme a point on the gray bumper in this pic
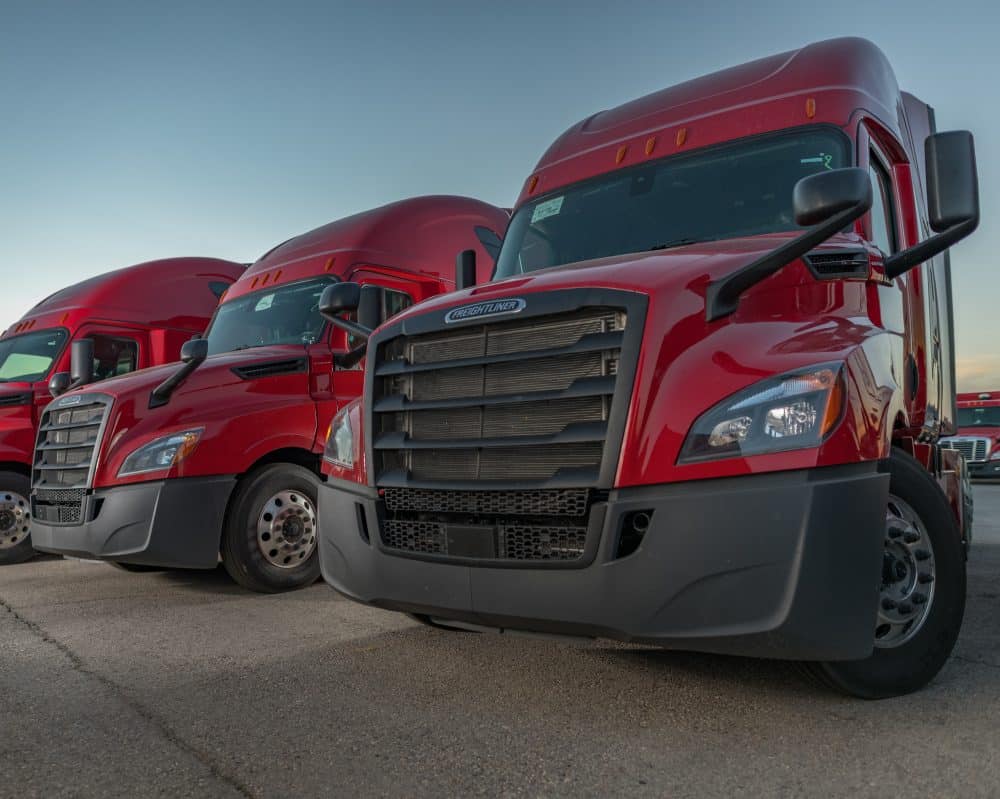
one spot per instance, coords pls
(985, 470)
(783, 565)
(174, 523)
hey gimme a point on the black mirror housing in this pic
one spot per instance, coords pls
(465, 270)
(59, 384)
(339, 298)
(195, 350)
(952, 186)
(818, 197)
(952, 198)
(81, 362)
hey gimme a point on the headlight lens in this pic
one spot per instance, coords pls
(161, 454)
(792, 411)
(340, 440)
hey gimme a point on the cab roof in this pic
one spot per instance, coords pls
(163, 293)
(828, 81)
(420, 234)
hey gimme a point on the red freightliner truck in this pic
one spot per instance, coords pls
(978, 436)
(133, 318)
(221, 454)
(698, 404)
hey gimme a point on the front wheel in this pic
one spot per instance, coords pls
(922, 593)
(269, 538)
(15, 518)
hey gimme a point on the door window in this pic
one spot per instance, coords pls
(882, 213)
(114, 355)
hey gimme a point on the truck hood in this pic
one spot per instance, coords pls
(671, 273)
(265, 390)
(215, 372)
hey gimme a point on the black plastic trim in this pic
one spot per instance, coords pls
(283, 366)
(584, 387)
(14, 400)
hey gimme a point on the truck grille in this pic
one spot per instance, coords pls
(488, 440)
(68, 438)
(973, 449)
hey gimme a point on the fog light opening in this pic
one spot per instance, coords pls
(634, 527)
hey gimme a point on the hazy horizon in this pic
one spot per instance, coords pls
(134, 133)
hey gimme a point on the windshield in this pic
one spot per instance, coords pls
(739, 189)
(286, 315)
(979, 417)
(28, 357)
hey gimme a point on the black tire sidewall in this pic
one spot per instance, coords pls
(241, 553)
(21, 484)
(906, 668)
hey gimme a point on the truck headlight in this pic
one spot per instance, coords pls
(161, 454)
(995, 454)
(796, 410)
(340, 440)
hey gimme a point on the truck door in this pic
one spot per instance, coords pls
(117, 350)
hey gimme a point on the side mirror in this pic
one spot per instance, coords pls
(818, 197)
(465, 269)
(952, 198)
(194, 351)
(828, 201)
(370, 306)
(59, 383)
(337, 299)
(952, 186)
(81, 362)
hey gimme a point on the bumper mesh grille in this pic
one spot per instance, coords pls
(567, 502)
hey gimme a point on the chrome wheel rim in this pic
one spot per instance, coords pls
(15, 516)
(286, 529)
(908, 575)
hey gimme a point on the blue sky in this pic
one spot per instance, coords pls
(133, 130)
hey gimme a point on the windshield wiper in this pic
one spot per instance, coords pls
(675, 243)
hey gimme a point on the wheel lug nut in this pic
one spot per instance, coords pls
(926, 578)
(889, 604)
(906, 607)
(922, 554)
(918, 599)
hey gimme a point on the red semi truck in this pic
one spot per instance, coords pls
(221, 454)
(132, 318)
(698, 404)
(978, 436)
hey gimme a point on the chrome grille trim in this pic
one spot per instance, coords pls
(975, 449)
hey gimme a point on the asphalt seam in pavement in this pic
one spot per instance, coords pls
(143, 712)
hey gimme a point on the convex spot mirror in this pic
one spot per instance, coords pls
(59, 383)
(339, 298)
(195, 350)
(818, 197)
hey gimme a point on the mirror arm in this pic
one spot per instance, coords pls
(351, 327)
(346, 360)
(901, 262)
(722, 296)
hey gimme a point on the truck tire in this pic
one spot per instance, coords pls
(15, 518)
(269, 536)
(922, 597)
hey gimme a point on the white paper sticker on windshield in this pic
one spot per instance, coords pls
(546, 209)
(264, 302)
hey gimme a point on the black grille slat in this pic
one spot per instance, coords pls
(591, 343)
(576, 433)
(271, 369)
(512, 463)
(583, 387)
